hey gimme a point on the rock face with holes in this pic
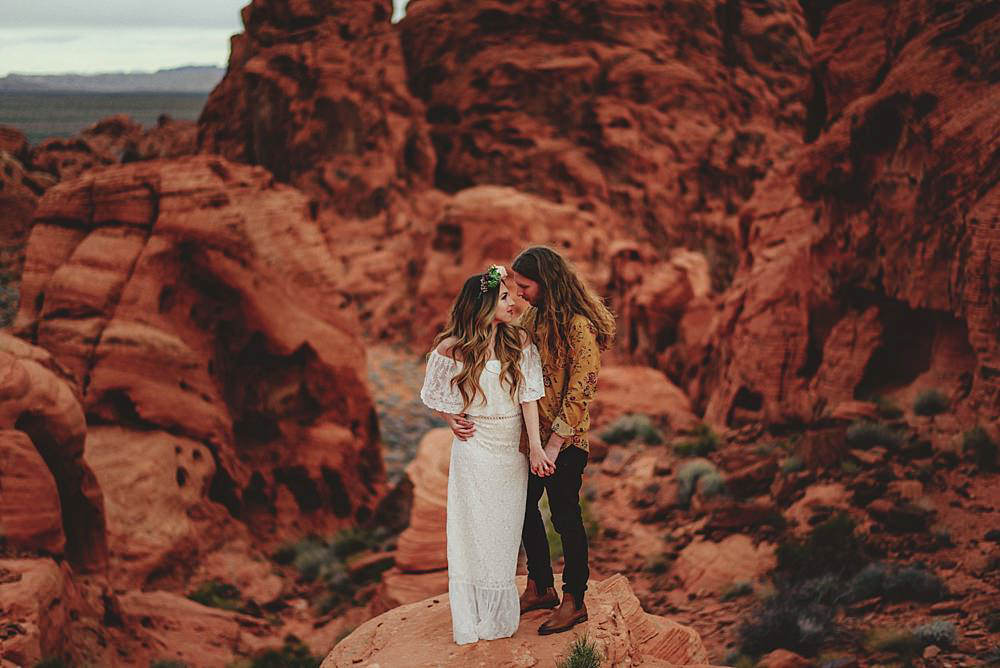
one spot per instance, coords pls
(194, 303)
(868, 263)
(419, 634)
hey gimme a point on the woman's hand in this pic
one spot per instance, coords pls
(541, 465)
(461, 426)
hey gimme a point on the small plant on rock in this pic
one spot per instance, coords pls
(909, 583)
(632, 428)
(688, 476)
(702, 441)
(784, 621)
(293, 654)
(217, 594)
(582, 654)
(866, 434)
(930, 402)
(792, 464)
(168, 663)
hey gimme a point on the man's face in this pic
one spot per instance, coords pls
(526, 288)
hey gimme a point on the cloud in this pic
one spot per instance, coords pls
(123, 13)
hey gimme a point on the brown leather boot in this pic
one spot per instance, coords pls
(532, 599)
(569, 613)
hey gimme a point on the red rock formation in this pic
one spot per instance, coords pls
(19, 191)
(113, 140)
(867, 267)
(51, 501)
(316, 93)
(421, 554)
(195, 303)
(420, 634)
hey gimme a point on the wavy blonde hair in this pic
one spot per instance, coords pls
(471, 324)
(563, 294)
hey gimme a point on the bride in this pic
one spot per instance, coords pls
(483, 368)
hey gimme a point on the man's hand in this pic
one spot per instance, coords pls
(541, 465)
(553, 448)
(461, 426)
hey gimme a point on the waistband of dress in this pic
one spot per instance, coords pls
(494, 418)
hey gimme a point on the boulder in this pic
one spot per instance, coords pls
(419, 634)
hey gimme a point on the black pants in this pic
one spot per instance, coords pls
(563, 488)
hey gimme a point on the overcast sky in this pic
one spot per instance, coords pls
(57, 36)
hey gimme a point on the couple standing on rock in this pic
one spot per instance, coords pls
(509, 389)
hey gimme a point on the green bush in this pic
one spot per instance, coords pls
(993, 621)
(582, 654)
(217, 594)
(711, 484)
(866, 434)
(831, 547)
(910, 583)
(168, 663)
(735, 590)
(701, 442)
(632, 427)
(982, 447)
(930, 402)
(688, 475)
(938, 632)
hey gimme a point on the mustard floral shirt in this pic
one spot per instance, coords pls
(570, 381)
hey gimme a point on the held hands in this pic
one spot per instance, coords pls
(460, 426)
(541, 464)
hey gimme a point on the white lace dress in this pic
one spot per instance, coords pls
(487, 487)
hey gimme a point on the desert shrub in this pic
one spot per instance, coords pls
(632, 427)
(977, 442)
(688, 475)
(582, 654)
(657, 564)
(886, 409)
(938, 632)
(792, 464)
(168, 663)
(217, 594)
(702, 441)
(930, 402)
(867, 434)
(325, 562)
(911, 641)
(735, 590)
(784, 621)
(711, 484)
(831, 547)
(293, 654)
(910, 583)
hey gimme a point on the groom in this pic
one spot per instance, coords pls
(571, 326)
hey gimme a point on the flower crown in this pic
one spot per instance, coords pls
(491, 279)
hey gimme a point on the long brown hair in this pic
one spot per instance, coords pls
(563, 294)
(470, 323)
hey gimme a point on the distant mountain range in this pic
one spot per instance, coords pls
(190, 79)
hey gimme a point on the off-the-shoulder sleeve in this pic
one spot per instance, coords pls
(533, 387)
(437, 392)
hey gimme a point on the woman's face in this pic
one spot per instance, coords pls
(504, 311)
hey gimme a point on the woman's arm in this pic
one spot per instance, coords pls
(541, 465)
(460, 426)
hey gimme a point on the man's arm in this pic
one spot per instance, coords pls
(584, 365)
